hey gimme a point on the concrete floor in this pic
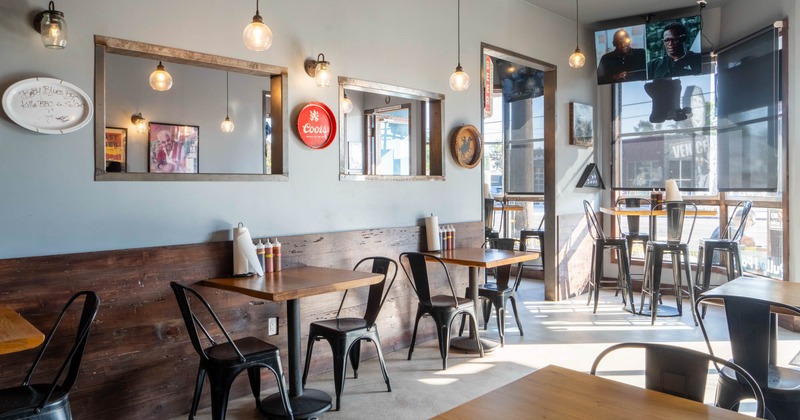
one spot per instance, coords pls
(561, 333)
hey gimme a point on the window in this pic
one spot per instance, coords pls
(389, 142)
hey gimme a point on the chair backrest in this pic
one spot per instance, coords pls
(377, 292)
(734, 231)
(503, 272)
(488, 213)
(420, 282)
(633, 221)
(595, 228)
(677, 212)
(91, 303)
(193, 323)
(682, 372)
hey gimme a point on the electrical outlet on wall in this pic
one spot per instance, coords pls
(272, 326)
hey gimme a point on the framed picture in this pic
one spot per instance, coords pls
(173, 148)
(581, 128)
(116, 146)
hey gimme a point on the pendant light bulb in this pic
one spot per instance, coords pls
(347, 104)
(139, 122)
(160, 80)
(257, 36)
(459, 80)
(227, 125)
(322, 72)
(577, 59)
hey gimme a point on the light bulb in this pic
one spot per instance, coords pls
(347, 105)
(577, 59)
(257, 36)
(459, 80)
(323, 74)
(53, 28)
(160, 80)
(227, 125)
(139, 122)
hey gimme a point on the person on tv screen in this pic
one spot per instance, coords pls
(678, 61)
(624, 63)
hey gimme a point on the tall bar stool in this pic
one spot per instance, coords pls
(679, 251)
(601, 243)
(633, 235)
(728, 242)
(525, 236)
(488, 218)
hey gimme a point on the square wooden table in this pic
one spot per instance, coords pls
(555, 392)
(290, 285)
(475, 259)
(17, 334)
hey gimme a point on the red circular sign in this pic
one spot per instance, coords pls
(316, 125)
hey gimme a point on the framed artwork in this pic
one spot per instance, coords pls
(581, 127)
(590, 178)
(116, 146)
(466, 145)
(173, 148)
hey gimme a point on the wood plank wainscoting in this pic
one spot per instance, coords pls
(139, 362)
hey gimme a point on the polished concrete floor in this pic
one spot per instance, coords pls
(562, 333)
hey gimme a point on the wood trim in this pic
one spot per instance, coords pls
(554, 286)
(785, 139)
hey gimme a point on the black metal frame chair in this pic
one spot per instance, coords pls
(526, 235)
(634, 234)
(345, 334)
(488, 218)
(442, 308)
(222, 362)
(50, 401)
(684, 372)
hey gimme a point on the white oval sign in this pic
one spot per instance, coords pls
(48, 106)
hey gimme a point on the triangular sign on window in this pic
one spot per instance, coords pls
(591, 178)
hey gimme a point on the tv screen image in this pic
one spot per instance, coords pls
(621, 54)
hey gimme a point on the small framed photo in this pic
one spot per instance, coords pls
(173, 148)
(116, 148)
(581, 128)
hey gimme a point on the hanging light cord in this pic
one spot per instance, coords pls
(227, 103)
(459, 33)
(702, 33)
(256, 7)
(577, 26)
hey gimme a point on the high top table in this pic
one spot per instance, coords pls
(475, 259)
(17, 334)
(290, 285)
(554, 392)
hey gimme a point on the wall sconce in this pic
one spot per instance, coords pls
(257, 36)
(347, 104)
(160, 80)
(139, 122)
(320, 70)
(52, 26)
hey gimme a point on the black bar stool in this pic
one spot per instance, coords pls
(633, 235)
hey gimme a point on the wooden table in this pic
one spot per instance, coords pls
(17, 334)
(555, 392)
(503, 208)
(290, 285)
(475, 259)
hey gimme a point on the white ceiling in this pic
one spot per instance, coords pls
(593, 11)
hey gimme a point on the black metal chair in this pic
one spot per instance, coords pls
(600, 244)
(684, 372)
(442, 308)
(752, 328)
(633, 234)
(499, 292)
(525, 237)
(727, 242)
(488, 218)
(222, 362)
(345, 334)
(50, 401)
(679, 252)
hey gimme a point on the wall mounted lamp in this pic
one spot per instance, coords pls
(577, 59)
(52, 27)
(320, 70)
(139, 122)
(160, 80)
(257, 36)
(459, 80)
(347, 104)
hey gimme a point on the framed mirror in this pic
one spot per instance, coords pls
(390, 132)
(147, 131)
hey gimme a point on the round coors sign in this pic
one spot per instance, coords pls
(316, 125)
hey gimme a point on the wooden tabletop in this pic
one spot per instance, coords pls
(645, 211)
(766, 290)
(510, 207)
(485, 258)
(554, 392)
(17, 334)
(295, 283)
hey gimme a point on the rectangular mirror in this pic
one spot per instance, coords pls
(181, 135)
(390, 133)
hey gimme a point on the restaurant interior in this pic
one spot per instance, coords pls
(417, 209)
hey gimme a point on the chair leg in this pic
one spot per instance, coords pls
(598, 273)
(627, 282)
(487, 312)
(198, 389)
(277, 369)
(501, 322)
(689, 285)
(591, 276)
(220, 388)
(376, 339)
(677, 282)
(309, 350)
(254, 376)
(355, 357)
(655, 298)
(513, 300)
(477, 337)
(414, 335)
(708, 262)
(464, 317)
(340, 351)
(443, 332)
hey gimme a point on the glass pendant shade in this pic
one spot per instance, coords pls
(227, 125)
(53, 28)
(347, 104)
(322, 74)
(459, 80)
(139, 122)
(257, 36)
(577, 59)
(160, 80)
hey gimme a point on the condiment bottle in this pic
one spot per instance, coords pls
(261, 256)
(453, 236)
(269, 253)
(443, 238)
(276, 255)
(449, 231)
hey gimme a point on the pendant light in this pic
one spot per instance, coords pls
(577, 59)
(160, 80)
(52, 27)
(227, 125)
(459, 80)
(257, 36)
(347, 104)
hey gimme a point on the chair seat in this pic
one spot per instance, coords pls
(443, 301)
(781, 380)
(19, 402)
(677, 246)
(340, 325)
(493, 288)
(250, 347)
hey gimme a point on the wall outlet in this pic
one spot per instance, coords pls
(272, 326)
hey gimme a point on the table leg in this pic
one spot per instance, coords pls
(306, 403)
(467, 344)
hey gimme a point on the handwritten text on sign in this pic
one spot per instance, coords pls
(47, 105)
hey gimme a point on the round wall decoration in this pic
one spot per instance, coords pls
(46, 105)
(316, 125)
(467, 146)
